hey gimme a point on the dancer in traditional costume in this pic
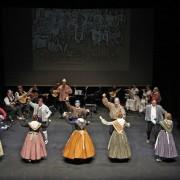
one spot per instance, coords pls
(1, 150)
(41, 114)
(77, 111)
(3, 117)
(2, 128)
(165, 147)
(116, 110)
(79, 145)
(118, 147)
(34, 147)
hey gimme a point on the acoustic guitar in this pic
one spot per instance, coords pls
(24, 98)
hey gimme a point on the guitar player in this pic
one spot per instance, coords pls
(11, 106)
(113, 93)
(64, 91)
(22, 98)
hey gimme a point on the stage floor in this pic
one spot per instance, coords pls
(141, 166)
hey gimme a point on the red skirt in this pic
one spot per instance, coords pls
(34, 147)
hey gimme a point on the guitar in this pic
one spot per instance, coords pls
(24, 98)
(114, 93)
(55, 93)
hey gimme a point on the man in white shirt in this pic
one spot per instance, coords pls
(153, 115)
(42, 114)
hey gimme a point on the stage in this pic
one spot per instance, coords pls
(142, 165)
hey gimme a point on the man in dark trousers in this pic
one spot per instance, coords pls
(153, 115)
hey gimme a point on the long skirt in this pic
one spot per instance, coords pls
(165, 146)
(79, 146)
(118, 146)
(34, 147)
(1, 149)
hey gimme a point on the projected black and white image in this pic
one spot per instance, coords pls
(86, 39)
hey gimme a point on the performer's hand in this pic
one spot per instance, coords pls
(87, 110)
(104, 95)
(67, 98)
(100, 117)
(64, 114)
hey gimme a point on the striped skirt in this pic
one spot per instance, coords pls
(118, 146)
(34, 147)
(165, 146)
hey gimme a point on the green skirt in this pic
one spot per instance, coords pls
(1, 150)
(118, 146)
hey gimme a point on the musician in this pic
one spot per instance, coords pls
(41, 114)
(53, 98)
(11, 107)
(34, 93)
(113, 93)
(147, 93)
(134, 90)
(21, 97)
(155, 95)
(133, 100)
(35, 88)
(64, 91)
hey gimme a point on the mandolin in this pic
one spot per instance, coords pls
(55, 93)
(114, 93)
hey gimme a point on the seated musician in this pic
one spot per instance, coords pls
(22, 98)
(11, 107)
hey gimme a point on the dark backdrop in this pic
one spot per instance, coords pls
(166, 58)
(17, 40)
(165, 69)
